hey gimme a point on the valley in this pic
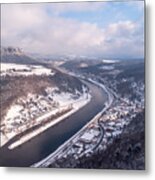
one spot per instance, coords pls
(39, 99)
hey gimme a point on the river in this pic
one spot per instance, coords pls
(47, 142)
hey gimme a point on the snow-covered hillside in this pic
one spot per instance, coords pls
(108, 61)
(12, 69)
(41, 111)
(16, 55)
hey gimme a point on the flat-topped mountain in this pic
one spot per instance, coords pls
(11, 50)
(15, 55)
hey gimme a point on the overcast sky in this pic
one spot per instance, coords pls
(107, 29)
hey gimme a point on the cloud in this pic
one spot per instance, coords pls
(34, 28)
(59, 8)
(124, 38)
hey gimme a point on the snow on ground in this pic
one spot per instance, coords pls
(35, 109)
(76, 106)
(8, 66)
(49, 159)
(25, 70)
(27, 137)
(107, 67)
(82, 65)
(109, 61)
(13, 111)
(87, 136)
(58, 63)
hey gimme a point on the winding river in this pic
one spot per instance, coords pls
(47, 142)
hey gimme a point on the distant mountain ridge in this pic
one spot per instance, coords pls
(16, 55)
(11, 50)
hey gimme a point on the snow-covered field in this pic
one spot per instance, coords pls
(35, 109)
(83, 65)
(107, 67)
(24, 70)
(109, 61)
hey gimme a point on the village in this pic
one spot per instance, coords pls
(99, 134)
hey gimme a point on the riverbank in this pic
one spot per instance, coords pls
(40, 146)
(62, 149)
(90, 148)
(75, 106)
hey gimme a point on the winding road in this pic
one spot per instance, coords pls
(47, 142)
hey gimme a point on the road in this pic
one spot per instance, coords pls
(64, 147)
(47, 142)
